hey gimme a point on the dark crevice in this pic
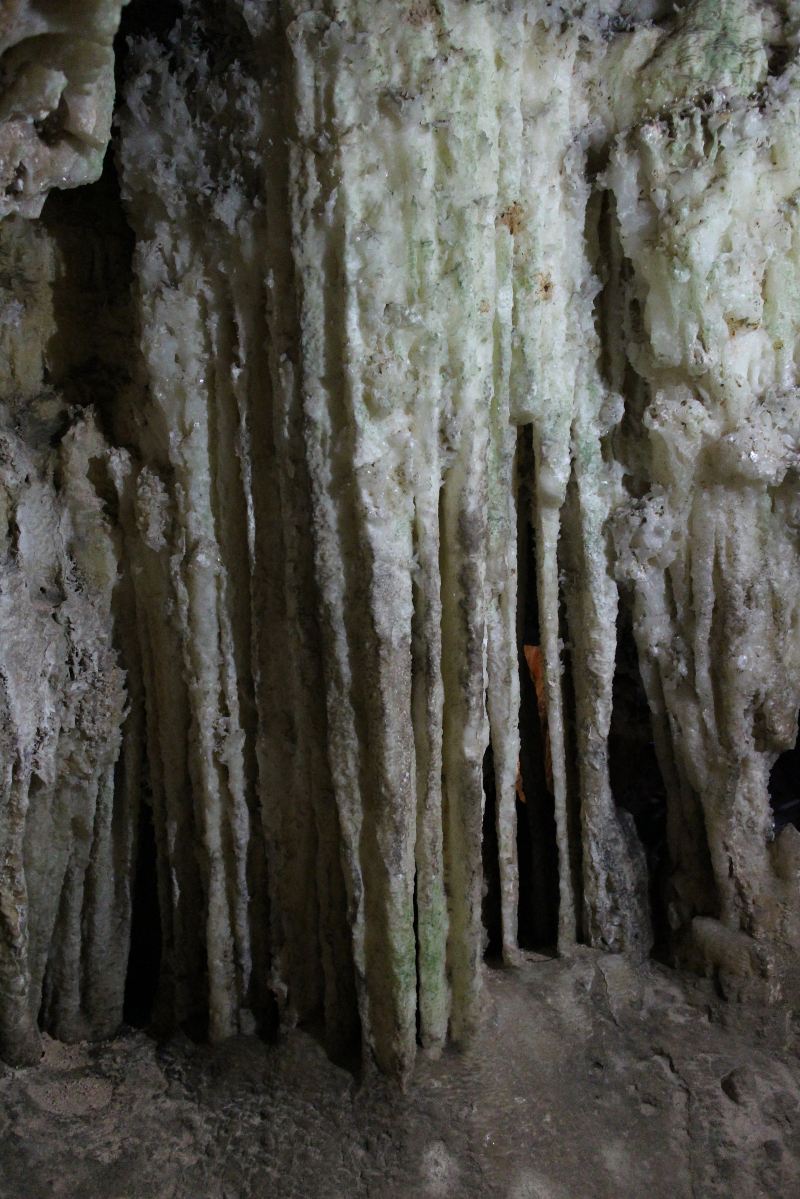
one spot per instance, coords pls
(100, 479)
(144, 961)
(569, 717)
(92, 355)
(416, 961)
(204, 49)
(537, 848)
(636, 780)
(784, 789)
(620, 325)
(491, 910)
(779, 55)
(146, 18)
(13, 535)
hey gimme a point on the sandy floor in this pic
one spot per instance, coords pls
(588, 1079)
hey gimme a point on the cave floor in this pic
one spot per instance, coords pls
(589, 1078)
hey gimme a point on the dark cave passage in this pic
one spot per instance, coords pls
(784, 789)
(635, 776)
(490, 907)
(537, 849)
(142, 18)
(144, 961)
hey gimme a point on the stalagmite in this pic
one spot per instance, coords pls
(67, 819)
(399, 270)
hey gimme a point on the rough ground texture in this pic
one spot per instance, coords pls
(587, 1081)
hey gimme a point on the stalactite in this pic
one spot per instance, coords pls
(395, 267)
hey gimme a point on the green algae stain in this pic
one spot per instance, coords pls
(716, 44)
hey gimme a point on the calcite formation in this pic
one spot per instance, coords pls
(421, 293)
(67, 827)
(56, 96)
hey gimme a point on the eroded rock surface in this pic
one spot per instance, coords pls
(67, 820)
(56, 97)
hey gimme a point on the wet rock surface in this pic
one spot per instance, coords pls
(587, 1079)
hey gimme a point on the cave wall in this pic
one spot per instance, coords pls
(405, 279)
(68, 810)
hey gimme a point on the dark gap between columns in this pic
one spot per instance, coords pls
(537, 848)
(784, 789)
(144, 962)
(491, 911)
(635, 776)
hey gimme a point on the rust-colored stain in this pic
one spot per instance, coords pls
(512, 218)
(420, 14)
(520, 790)
(544, 286)
(535, 662)
(738, 324)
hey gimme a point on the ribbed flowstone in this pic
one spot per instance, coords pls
(373, 241)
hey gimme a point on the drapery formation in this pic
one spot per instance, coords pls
(419, 290)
